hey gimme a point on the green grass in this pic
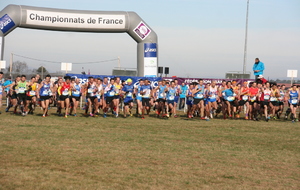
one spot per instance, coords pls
(118, 153)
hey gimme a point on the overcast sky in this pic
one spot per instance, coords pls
(196, 38)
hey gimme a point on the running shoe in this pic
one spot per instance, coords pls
(296, 120)
(175, 116)
(104, 115)
(75, 115)
(66, 116)
(237, 116)
(43, 116)
(91, 115)
(206, 118)
(202, 118)
(6, 109)
(246, 118)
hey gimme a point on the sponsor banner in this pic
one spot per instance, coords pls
(142, 30)
(6, 23)
(206, 80)
(150, 66)
(135, 80)
(75, 20)
(150, 50)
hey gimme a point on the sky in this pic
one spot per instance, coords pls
(196, 38)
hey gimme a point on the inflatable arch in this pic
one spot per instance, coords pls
(14, 16)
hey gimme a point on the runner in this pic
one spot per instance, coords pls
(139, 97)
(212, 99)
(228, 98)
(91, 97)
(110, 95)
(198, 102)
(44, 92)
(104, 85)
(161, 98)
(220, 102)
(118, 87)
(189, 100)
(266, 101)
(253, 92)
(21, 90)
(244, 99)
(293, 101)
(281, 100)
(76, 94)
(6, 86)
(31, 95)
(145, 91)
(171, 93)
(128, 91)
(64, 92)
(274, 100)
(1, 89)
(99, 101)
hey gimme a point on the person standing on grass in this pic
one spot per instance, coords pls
(258, 68)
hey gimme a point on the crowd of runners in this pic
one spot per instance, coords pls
(254, 101)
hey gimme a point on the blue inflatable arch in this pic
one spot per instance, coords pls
(21, 16)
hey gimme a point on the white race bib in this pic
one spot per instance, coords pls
(230, 98)
(295, 101)
(266, 97)
(129, 94)
(200, 95)
(90, 90)
(76, 92)
(112, 93)
(272, 99)
(32, 93)
(65, 93)
(213, 96)
(21, 90)
(253, 98)
(171, 97)
(245, 97)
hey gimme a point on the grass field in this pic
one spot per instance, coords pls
(131, 153)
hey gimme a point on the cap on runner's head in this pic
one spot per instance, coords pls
(260, 77)
(129, 80)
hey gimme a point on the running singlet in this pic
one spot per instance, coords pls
(199, 94)
(281, 92)
(21, 88)
(91, 89)
(267, 94)
(244, 96)
(103, 87)
(110, 90)
(293, 97)
(147, 91)
(32, 92)
(76, 93)
(228, 95)
(45, 89)
(161, 92)
(65, 89)
(117, 89)
(273, 98)
(128, 89)
(213, 94)
(171, 94)
(253, 92)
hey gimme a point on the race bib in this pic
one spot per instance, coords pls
(273, 99)
(98, 96)
(65, 93)
(266, 97)
(76, 92)
(129, 94)
(253, 98)
(230, 98)
(171, 98)
(295, 101)
(90, 90)
(45, 92)
(112, 93)
(32, 93)
(50, 93)
(190, 98)
(21, 90)
(200, 95)
(213, 96)
(245, 97)
(147, 93)
(234, 94)
(161, 95)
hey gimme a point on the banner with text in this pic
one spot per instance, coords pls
(75, 20)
